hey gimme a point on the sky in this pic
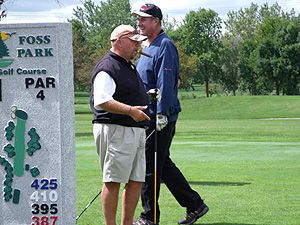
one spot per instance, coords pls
(27, 11)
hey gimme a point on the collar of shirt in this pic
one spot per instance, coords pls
(122, 60)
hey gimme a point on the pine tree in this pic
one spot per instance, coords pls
(3, 49)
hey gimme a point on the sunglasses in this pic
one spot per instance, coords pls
(132, 32)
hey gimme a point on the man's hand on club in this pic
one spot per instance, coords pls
(161, 121)
(154, 94)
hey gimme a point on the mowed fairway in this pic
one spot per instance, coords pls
(242, 154)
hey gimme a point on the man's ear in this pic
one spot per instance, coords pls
(156, 20)
(119, 41)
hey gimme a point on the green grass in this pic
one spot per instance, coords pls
(244, 164)
(241, 107)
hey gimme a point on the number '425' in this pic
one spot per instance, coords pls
(45, 184)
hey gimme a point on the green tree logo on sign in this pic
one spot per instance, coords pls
(3, 49)
(5, 60)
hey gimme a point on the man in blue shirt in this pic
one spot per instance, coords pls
(162, 72)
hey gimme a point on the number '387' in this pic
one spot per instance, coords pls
(43, 220)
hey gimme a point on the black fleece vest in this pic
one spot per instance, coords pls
(129, 90)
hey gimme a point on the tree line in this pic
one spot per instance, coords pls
(258, 53)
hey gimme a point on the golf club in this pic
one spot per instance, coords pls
(150, 135)
(88, 206)
(155, 153)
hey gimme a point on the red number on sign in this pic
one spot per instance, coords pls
(44, 220)
(36, 222)
(54, 219)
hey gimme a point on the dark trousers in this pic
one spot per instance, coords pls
(168, 172)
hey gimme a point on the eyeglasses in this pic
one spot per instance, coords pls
(132, 32)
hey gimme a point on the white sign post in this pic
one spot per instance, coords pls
(37, 129)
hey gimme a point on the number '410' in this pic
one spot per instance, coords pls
(44, 184)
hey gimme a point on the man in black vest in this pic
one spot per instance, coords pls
(119, 102)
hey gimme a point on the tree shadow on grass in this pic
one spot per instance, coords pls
(218, 183)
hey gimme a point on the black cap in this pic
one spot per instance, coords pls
(149, 10)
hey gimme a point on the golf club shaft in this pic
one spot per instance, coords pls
(150, 134)
(155, 183)
(155, 155)
(88, 205)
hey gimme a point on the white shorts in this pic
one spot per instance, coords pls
(122, 152)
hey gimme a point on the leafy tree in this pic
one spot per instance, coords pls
(96, 22)
(288, 41)
(247, 56)
(243, 23)
(200, 36)
(270, 20)
(85, 57)
(92, 25)
(248, 23)
(187, 65)
(261, 64)
(271, 64)
(172, 29)
(230, 76)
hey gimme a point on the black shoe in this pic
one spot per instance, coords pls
(141, 221)
(192, 217)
